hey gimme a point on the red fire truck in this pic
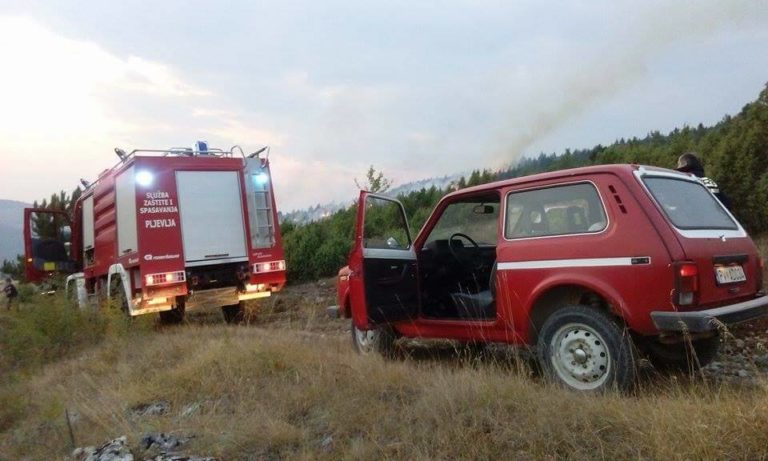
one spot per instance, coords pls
(169, 230)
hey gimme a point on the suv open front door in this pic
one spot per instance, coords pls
(383, 283)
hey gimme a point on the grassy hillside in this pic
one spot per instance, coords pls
(288, 386)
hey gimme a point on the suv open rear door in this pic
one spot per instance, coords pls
(47, 240)
(383, 282)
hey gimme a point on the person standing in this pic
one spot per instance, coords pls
(690, 163)
(11, 293)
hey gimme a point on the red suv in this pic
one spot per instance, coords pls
(590, 265)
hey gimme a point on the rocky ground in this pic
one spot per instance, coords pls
(743, 355)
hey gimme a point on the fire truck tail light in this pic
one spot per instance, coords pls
(271, 266)
(164, 278)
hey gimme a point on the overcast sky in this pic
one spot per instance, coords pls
(417, 89)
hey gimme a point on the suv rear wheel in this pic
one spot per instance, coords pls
(687, 355)
(380, 340)
(584, 348)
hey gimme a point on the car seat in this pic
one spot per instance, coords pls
(481, 305)
(577, 219)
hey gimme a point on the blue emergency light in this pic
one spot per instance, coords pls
(201, 147)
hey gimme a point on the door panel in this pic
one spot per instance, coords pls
(383, 282)
(390, 288)
(211, 216)
(125, 198)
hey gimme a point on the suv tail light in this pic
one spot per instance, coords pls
(686, 284)
(164, 278)
(760, 269)
(271, 266)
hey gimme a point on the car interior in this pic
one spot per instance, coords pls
(458, 261)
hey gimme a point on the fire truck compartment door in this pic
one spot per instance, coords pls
(211, 213)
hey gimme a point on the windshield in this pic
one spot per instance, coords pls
(476, 219)
(688, 204)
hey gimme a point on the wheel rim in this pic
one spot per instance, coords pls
(365, 339)
(580, 356)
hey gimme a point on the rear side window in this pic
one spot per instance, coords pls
(688, 204)
(559, 210)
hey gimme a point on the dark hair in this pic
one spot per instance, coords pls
(689, 163)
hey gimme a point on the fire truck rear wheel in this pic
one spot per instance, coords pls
(234, 313)
(173, 316)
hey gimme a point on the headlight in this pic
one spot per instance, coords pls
(144, 178)
(261, 178)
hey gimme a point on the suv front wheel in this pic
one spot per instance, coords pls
(380, 340)
(585, 349)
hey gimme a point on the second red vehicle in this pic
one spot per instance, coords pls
(589, 266)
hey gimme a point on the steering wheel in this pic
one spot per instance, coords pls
(458, 256)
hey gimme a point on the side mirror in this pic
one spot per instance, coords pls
(393, 243)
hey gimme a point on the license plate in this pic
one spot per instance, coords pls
(730, 274)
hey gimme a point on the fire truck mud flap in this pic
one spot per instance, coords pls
(711, 319)
(150, 309)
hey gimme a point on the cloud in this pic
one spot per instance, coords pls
(66, 103)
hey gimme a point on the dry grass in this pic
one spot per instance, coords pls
(267, 394)
(288, 386)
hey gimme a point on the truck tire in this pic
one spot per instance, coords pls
(684, 356)
(234, 313)
(117, 295)
(380, 340)
(584, 348)
(175, 315)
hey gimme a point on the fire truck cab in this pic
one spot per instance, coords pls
(169, 230)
